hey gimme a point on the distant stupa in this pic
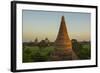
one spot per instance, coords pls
(63, 42)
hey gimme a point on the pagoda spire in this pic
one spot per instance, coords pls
(64, 43)
(62, 39)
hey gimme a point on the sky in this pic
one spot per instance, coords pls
(45, 24)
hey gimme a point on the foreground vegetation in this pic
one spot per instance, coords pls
(39, 54)
(36, 54)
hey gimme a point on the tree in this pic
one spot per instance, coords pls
(27, 55)
(47, 41)
(42, 44)
(36, 42)
(75, 45)
(38, 57)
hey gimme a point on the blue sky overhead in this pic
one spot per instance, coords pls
(42, 24)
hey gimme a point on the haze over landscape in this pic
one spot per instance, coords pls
(42, 24)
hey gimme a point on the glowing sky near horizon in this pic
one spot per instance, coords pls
(42, 24)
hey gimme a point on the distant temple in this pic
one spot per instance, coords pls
(64, 43)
